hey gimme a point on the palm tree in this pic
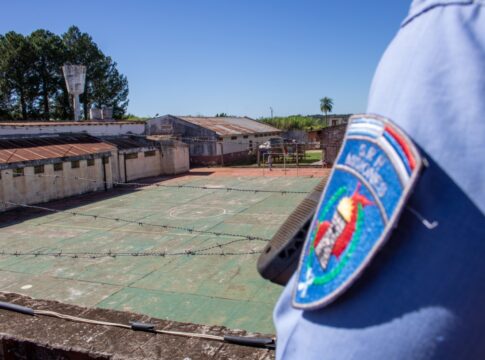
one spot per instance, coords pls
(326, 105)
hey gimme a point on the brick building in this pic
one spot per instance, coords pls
(330, 139)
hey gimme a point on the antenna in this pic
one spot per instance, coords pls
(75, 76)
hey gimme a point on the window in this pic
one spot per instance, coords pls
(58, 167)
(90, 162)
(149, 153)
(39, 169)
(334, 122)
(18, 172)
(131, 156)
(75, 164)
(233, 137)
(106, 160)
(245, 137)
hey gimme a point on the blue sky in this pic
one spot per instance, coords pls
(201, 57)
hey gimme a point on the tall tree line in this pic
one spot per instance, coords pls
(32, 85)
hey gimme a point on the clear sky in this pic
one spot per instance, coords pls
(201, 57)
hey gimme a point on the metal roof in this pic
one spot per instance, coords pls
(13, 150)
(230, 125)
(130, 142)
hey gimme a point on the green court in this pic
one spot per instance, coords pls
(216, 286)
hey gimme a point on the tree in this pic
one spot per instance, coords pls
(18, 83)
(32, 85)
(326, 105)
(49, 55)
(222, 114)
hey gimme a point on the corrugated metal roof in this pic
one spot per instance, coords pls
(129, 142)
(51, 147)
(230, 125)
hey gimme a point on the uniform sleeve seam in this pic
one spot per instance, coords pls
(430, 5)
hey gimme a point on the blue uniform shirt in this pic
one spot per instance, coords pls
(423, 295)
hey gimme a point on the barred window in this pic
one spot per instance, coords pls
(58, 167)
(18, 172)
(131, 156)
(149, 153)
(90, 162)
(39, 169)
(106, 160)
(75, 164)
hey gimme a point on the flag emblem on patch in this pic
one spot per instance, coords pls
(374, 172)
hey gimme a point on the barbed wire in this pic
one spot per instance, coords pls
(111, 254)
(136, 222)
(158, 185)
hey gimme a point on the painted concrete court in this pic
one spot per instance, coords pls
(212, 289)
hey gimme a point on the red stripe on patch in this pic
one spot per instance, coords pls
(405, 148)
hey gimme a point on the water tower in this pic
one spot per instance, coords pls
(75, 76)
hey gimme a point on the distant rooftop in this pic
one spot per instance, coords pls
(49, 147)
(230, 125)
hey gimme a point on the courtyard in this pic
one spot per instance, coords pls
(182, 249)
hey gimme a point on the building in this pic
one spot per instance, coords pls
(94, 128)
(139, 157)
(330, 140)
(39, 169)
(60, 162)
(215, 140)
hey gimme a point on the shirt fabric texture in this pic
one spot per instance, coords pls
(422, 295)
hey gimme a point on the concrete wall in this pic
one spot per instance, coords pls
(33, 189)
(175, 158)
(140, 167)
(170, 125)
(172, 159)
(91, 128)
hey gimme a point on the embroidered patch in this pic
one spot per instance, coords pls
(370, 181)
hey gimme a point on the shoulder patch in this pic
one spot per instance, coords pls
(371, 179)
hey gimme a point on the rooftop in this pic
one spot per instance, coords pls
(219, 285)
(14, 150)
(230, 125)
(129, 142)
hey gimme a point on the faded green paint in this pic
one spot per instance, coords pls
(214, 290)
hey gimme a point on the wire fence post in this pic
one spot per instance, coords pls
(297, 160)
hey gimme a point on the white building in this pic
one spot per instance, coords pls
(215, 140)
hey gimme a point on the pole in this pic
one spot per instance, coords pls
(103, 164)
(296, 160)
(284, 161)
(222, 154)
(77, 109)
